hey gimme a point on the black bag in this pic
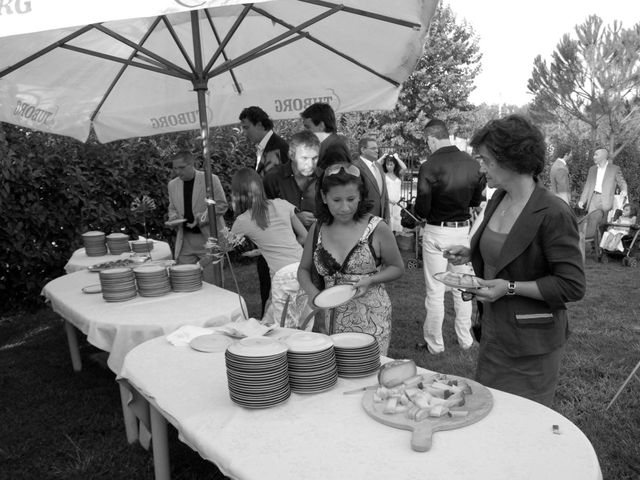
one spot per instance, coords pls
(407, 219)
(476, 328)
(316, 278)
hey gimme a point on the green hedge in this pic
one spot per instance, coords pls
(54, 188)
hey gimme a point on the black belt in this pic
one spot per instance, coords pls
(464, 223)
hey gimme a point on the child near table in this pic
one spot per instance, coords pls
(612, 238)
(278, 233)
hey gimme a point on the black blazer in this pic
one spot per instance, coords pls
(276, 152)
(542, 246)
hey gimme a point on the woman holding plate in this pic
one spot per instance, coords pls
(352, 247)
(527, 253)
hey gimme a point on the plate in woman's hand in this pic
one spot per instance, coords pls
(334, 296)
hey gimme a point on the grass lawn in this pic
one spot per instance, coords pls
(55, 424)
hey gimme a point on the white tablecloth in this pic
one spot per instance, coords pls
(80, 261)
(329, 436)
(118, 327)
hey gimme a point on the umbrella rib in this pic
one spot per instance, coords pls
(328, 47)
(179, 44)
(144, 66)
(257, 51)
(257, 55)
(169, 65)
(45, 50)
(122, 69)
(224, 54)
(227, 38)
(365, 13)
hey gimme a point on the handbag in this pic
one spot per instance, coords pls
(316, 278)
(407, 219)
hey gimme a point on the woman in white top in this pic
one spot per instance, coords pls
(279, 235)
(393, 178)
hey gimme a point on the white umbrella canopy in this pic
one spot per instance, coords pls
(130, 77)
(130, 68)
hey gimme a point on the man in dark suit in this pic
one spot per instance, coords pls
(600, 187)
(271, 151)
(560, 183)
(320, 119)
(373, 176)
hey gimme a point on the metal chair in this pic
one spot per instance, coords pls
(634, 373)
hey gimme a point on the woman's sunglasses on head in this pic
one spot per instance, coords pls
(348, 169)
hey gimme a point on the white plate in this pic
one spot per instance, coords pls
(308, 342)
(334, 296)
(177, 221)
(352, 340)
(457, 280)
(190, 267)
(212, 342)
(97, 288)
(257, 347)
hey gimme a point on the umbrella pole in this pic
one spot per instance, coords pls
(200, 86)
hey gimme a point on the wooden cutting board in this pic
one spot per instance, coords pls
(478, 404)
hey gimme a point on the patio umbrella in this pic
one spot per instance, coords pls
(129, 69)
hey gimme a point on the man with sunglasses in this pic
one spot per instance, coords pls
(449, 184)
(373, 176)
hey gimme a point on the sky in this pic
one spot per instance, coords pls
(513, 32)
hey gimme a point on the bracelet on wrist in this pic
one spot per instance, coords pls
(511, 287)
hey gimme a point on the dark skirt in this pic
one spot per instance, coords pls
(534, 376)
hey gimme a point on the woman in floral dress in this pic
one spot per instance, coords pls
(352, 247)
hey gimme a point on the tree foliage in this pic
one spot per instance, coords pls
(55, 188)
(594, 78)
(439, 86)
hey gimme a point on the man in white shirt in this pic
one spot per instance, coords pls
(320, 119)
(600, 187)
(373, 177)
(271, 149)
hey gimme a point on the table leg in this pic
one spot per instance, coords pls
(130, 420)
(160, 443)
(72, 340)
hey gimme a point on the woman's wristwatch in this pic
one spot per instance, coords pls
(511, 287)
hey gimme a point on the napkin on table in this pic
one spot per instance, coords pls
(183, 335)
(245, 328)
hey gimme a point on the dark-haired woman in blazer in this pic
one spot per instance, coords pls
(527, 254)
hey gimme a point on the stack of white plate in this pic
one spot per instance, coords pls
(185, 278)
(152, 280)
(257, 372)
(118, 243)
(357, 354)
(118, 284)
(312, 362)
(94, 244)
(142, 246)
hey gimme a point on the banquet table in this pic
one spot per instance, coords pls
(328, 435)
(81, 261)
(118, 327)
